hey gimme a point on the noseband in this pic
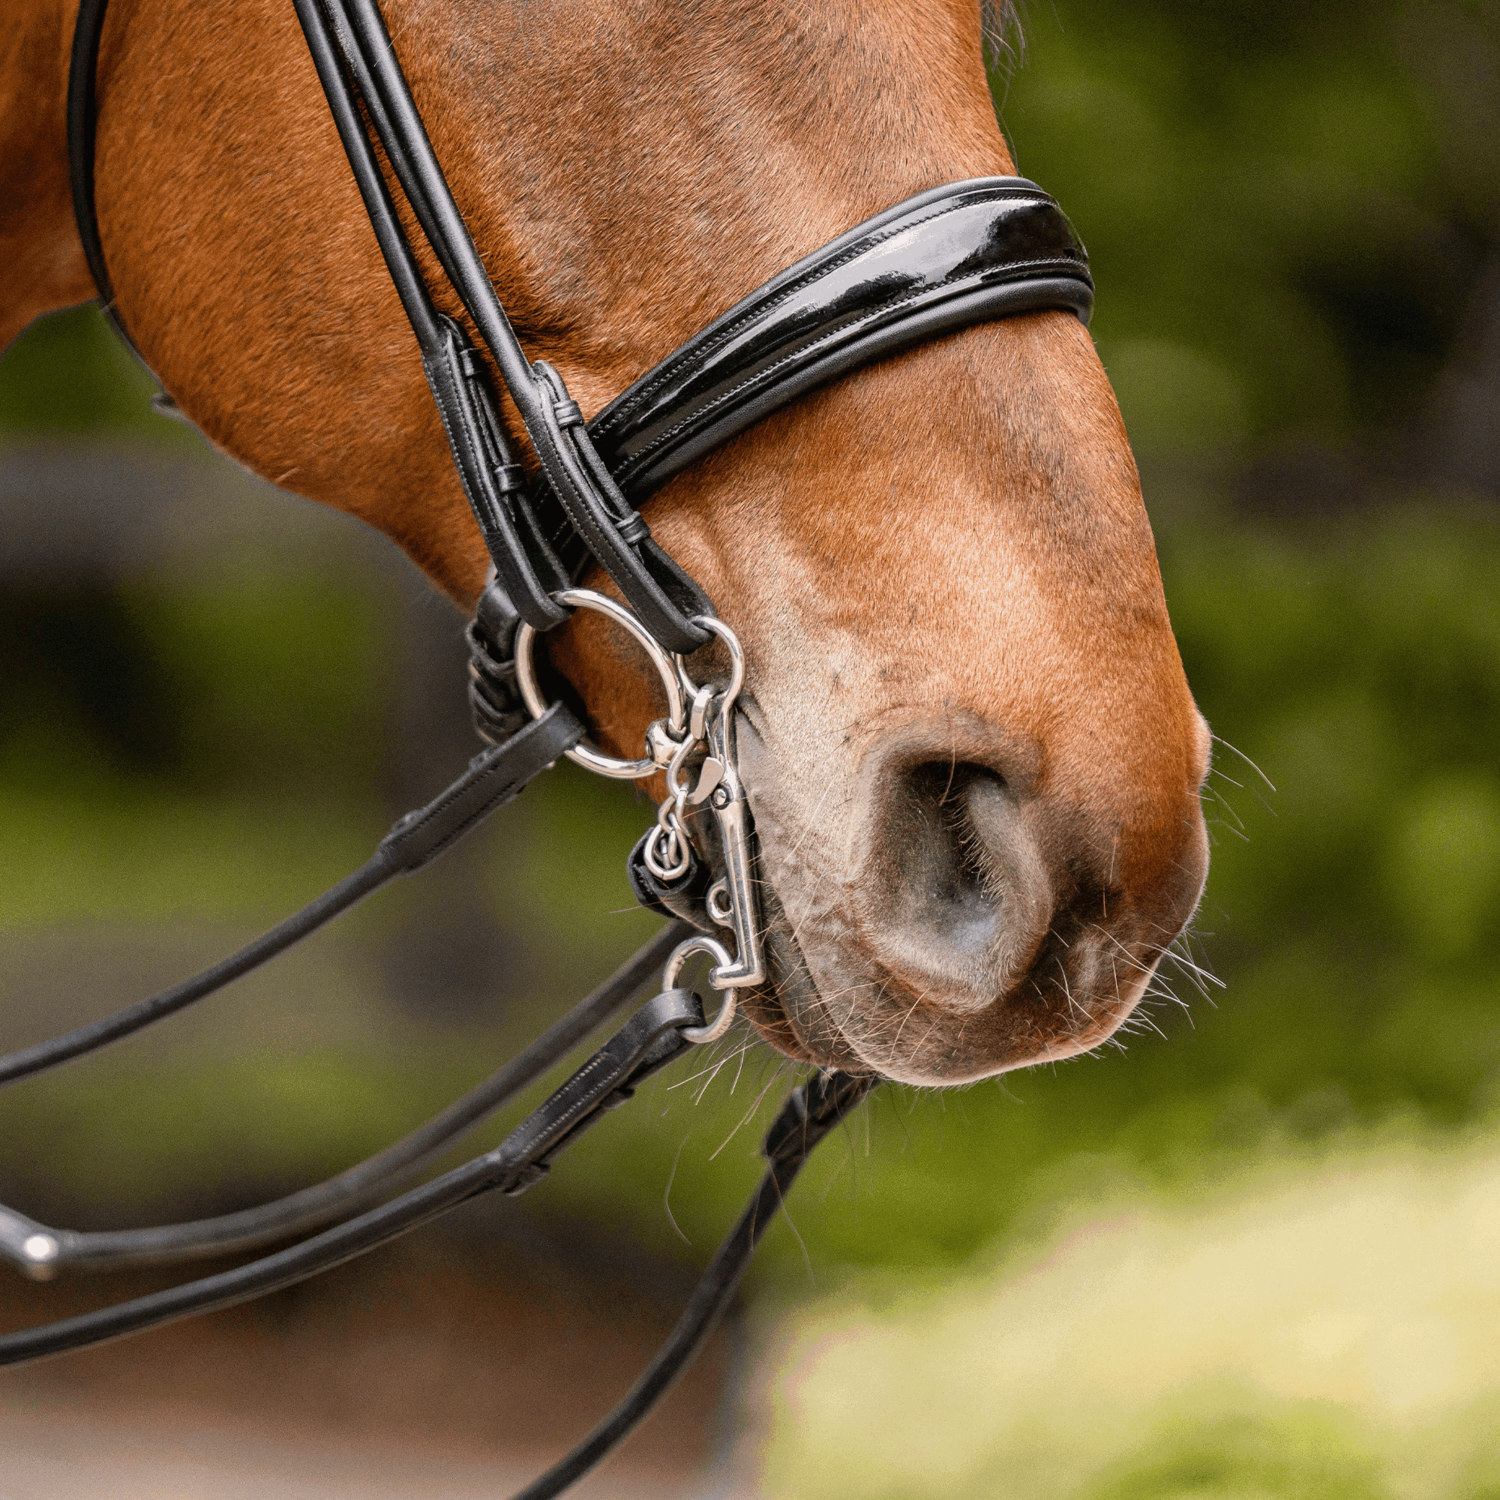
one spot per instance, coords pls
(959, 254)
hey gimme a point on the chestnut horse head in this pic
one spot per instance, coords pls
(970, 750)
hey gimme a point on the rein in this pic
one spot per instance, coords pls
(956, 255)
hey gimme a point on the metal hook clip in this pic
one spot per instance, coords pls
(696, 715)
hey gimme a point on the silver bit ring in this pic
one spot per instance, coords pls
(667, 668)
(702, 943)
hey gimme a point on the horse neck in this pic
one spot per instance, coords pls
(39, 244)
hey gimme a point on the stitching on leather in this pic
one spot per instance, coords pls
(473, 818)
(588, 1101)
(638, 459)
(603, 541)
(585, 1103)
(861, 247)
(457, 793)
(486, 529)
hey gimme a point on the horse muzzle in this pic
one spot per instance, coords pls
(950, 917)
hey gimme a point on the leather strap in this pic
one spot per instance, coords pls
(651, 1039)
(41, 1250)
(493, 482)
(809, 1114)
(493, 779)
(957, 255)
(574, 478)
(83, 71)
(647, 1042)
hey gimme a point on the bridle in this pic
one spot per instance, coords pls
(956, 255)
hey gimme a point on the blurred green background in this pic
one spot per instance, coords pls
(213, 700)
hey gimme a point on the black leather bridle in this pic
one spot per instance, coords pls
(956, 255)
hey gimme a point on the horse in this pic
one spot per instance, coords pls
(966, 737)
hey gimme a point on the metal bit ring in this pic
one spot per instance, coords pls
(584, 753)
(702, 943)
(717, 628)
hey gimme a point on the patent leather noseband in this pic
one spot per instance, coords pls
(955, 255)
(950, 257)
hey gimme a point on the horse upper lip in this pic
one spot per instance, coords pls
(937, 933)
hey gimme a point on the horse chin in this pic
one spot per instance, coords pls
(790, 1010)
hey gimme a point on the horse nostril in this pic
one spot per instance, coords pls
(965, 895)
(948, 812)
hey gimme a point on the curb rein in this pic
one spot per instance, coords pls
(955, 255)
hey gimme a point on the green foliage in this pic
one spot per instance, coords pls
(249, 677)
(1309, 1329)
(68, 374)
(108, 851)
(1284, 205)
(284, 671)
(1232, 1459)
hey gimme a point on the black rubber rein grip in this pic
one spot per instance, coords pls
(493, 779)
